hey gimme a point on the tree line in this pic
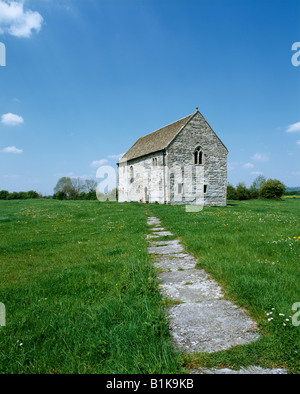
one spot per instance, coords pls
(80, 189)
(5, 195)
(261, 188)
(86, 189)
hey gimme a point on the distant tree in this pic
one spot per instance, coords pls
(231, 192)
(292, 192)
(59, 196)
(4, 194)
(14, 196)
(78, 186)
(256, 185)
(75, 188)
(32, 194)
(242, 193)
(64, 185)
(272, 189)
(90, 185)
(91, 195)
(23, 196)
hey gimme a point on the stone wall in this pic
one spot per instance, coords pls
(142, 179)
(213, 171)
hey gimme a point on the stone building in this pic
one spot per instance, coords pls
(182, 163)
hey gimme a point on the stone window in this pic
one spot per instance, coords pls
(180, 188)
(131, 174)
(205, 189)
(198, 156)
(154, 162)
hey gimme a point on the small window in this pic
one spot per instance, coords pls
(198, 156)
(205, 189)
(131, 174)
(180, 188)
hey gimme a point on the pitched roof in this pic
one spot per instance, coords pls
(156, 141)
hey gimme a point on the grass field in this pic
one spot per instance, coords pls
(81, 294)
(79, 290)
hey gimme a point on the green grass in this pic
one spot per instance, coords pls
(252, 248)
(81, 293)
(80, 290)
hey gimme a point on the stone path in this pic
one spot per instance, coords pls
(201, 320)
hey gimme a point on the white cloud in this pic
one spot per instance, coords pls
(16, 21)
(11, 119)
(293, 128)
(298, 142)
(11, 149)
(248, 165)
(260, 157)
(98, 163)
(257, 173)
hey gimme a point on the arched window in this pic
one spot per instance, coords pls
(198, 156)
(131, 174)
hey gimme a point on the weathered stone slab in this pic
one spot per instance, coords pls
(210, 326)
(162, 233)
(150, 236)
(252, 370)
(172, 242)
(165, 247)
(175, 262)
(168, 249)
(153, 221)
(191, 285)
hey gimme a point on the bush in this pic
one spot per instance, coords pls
(256, 185)
(32, 194)
(4, 194)
(59, 196)
(272, 189)
(242, 193)
(231, 192)
(14, 196)
(292, 193)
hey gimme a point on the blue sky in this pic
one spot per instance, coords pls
(84, 79)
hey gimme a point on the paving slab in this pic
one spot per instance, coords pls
(158, 228)
(161, 233)
(210, 326)
(172, 242)
(175, 262)
(166, 249)
(252, 370)
(192, 285)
